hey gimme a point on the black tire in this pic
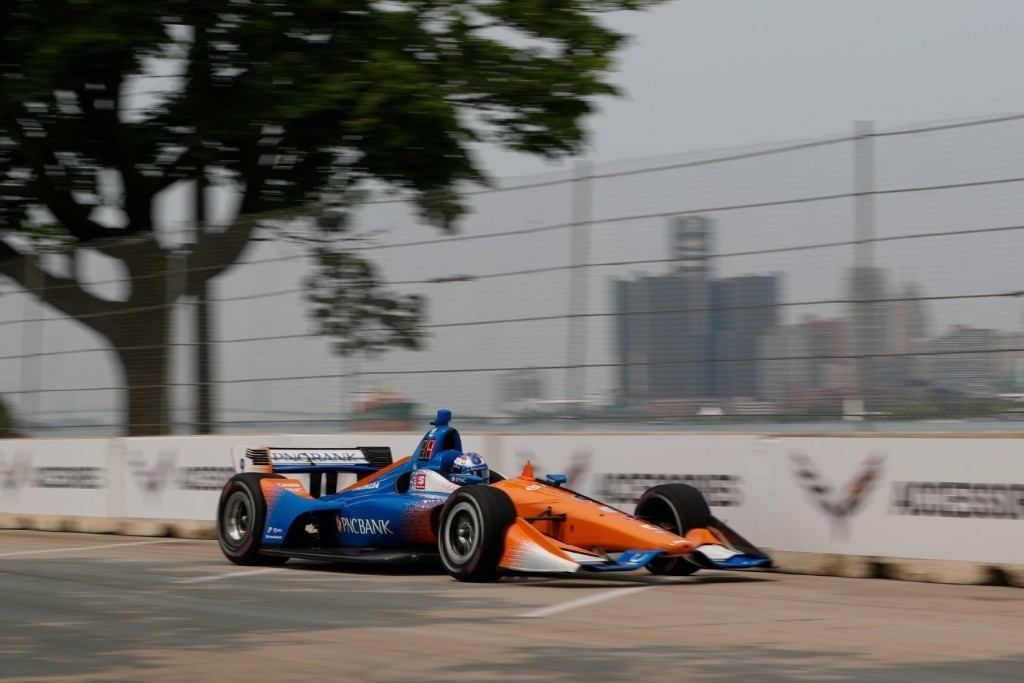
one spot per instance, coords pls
(471, 532)
(677, 508)
(241, 516)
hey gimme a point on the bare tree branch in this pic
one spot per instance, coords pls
(72, 215)
(64, 294)
(217, 251)
(106, 122)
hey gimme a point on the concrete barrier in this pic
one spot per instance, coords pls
(835, 505)
(899, 569)
(786, 562)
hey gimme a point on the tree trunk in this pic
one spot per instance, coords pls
(143, 353)
(204, 361)
(141, 338)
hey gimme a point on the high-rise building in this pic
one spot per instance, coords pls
(662, 338)
(907, 330)
(868, 318)
(519, 386)
(692, 246)
(967, 370)
(805, 359)
(742, 310)
(686, 335)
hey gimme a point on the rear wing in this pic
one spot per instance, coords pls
(317, 462)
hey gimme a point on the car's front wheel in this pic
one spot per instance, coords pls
(471, 532)
(241, 515)
(677, 508)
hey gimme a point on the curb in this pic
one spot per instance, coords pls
(899, 569)
(124, 526)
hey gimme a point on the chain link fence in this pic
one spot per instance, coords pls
(867, 279)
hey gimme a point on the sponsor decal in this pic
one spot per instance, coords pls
(720, 490)
(365, 527)
(839, 508)
(164, 473)
(203, 478)
(156, 477)
(371, 485)
(19, 473)
(427, 449)
(16, 473)
(965, 500)
(419, 481)
(69, 478)
(303, 456)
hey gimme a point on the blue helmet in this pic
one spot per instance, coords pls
(469, 468)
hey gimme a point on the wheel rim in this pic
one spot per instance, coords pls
(238, 518)
(461, 534)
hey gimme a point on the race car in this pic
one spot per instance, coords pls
(442, 504)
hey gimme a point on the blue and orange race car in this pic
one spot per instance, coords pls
(441, 504)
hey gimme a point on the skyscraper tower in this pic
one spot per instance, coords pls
(692, 246)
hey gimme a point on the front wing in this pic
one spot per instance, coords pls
(528, 550)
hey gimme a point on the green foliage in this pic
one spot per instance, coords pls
(296, 105)
(349, 306)
(288, 96)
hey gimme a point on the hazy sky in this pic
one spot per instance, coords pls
(701, 74)
(697, 75)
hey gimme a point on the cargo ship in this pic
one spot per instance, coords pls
(383, 410)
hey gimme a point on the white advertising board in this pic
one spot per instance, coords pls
(55, 477)
(181, 478)
(618, 468)
(929, 498)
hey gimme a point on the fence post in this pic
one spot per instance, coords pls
(32, 339)
(579, 255)
(866, 284)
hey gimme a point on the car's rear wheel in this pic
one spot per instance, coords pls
(471, 533)
(677, 508)
(241, 516)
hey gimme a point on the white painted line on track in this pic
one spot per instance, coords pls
(582, 602)
(71, 549)
(231, 575)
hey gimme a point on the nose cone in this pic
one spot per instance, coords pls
(588, 523)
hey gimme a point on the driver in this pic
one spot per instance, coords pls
(469, 468)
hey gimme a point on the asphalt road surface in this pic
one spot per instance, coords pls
(78, 607)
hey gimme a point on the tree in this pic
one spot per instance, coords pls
(6, 422)
(296, 106)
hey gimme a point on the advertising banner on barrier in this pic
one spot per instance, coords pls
(181, 477)
(930, 498)
(617, 468)
(173, 477)
(55, 477)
